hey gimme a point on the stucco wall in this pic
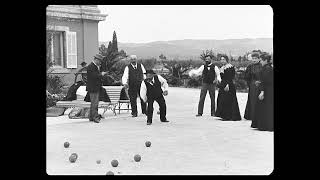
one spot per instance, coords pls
(91, 45)
(87, 43)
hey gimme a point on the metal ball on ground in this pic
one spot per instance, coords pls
(110, 173)
(114, 163)
(66, 144)
(137, 157)
(98, 161)
(148, 143)
(73, 157)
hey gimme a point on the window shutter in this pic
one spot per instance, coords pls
(71, 49)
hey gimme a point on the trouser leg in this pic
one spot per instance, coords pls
(203, 94)
(150, 111)
(212, 92)
(133, 102)
(163, 108)
(94, 98)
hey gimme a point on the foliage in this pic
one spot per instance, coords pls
(148, 63)
(195, 82)
(208, 53)
(54, 84)
(114, 42)
(162, 57)
(110, 61)
(52, 99)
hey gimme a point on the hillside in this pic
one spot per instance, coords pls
(189, 48)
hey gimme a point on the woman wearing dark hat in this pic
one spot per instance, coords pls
(263, 116)
(153, 88)
(252, 76)
(227, 103)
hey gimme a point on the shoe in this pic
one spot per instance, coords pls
(165, 121)
(96, 120)
(149, 123)
(213, 115)
(198, 115)
(134, 115)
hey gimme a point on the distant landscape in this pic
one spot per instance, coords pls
(192, 48)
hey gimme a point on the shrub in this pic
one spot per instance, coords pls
(194, 82)
(54, 84)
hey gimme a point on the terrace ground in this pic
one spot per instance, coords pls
(187, 145)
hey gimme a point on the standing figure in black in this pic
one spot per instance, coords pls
(263, 116)
(227, 103)
(210, 75)
(132, 77)
(153, 88)
(252, 76)
(93, 86)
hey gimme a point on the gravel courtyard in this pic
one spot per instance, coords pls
(187, 145)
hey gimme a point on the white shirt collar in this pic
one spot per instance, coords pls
(96, 64)
(134, 66)
(152, 81)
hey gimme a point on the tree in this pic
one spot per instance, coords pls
(207, 53)
(114, 42)
(122, 53)
(162, 57)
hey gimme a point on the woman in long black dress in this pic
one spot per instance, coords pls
(263, 117)
(252, 77)
(227, 103)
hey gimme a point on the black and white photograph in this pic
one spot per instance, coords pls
(159, 90)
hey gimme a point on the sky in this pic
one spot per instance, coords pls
(147, 23)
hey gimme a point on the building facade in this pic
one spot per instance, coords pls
(72, 37)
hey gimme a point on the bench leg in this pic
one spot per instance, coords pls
(104, 111)
(114, 109)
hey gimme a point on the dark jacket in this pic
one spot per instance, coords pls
(94, 78)
(155, 91)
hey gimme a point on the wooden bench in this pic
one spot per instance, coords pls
(113, 92)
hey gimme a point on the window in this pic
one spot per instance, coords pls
(62, 49)
(71, 49)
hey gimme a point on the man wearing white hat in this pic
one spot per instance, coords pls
(132, 77)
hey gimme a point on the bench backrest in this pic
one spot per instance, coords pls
(113, 92)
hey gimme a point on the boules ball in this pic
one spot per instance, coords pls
(148, 143)
(110, 173)
(66, 144)
(98, 161)
(73, 157)
(114, 163)
(137, 157)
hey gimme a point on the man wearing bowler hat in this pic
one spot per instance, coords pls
(132, 77)
(93, 86)
(153, 88)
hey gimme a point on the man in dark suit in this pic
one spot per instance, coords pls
(132, 77)
(93, 86)
(153, 88)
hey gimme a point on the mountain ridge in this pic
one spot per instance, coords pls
(192, 48)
